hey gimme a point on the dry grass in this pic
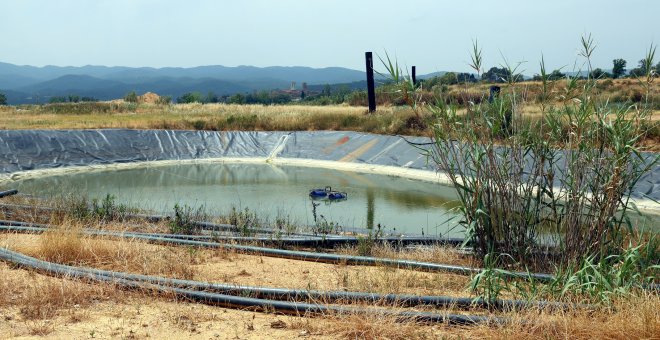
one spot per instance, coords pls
(437, 254)
(367, 327)
(630, 317)
(39, 297)
(394, 281)
(634, 317)
(39, 305)
(387, 120)
(69, 246)
(215, 265)
(215, 117)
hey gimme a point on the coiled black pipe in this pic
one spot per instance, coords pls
(306, 256)
(8, 193)
(329, 296)
(298, 308)
(296, 255)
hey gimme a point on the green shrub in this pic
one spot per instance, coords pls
(108, 209)
(245, 220)
(185, 218)
(131, 97)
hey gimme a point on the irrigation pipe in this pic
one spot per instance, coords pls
(407, 300)
(294, 240)
(286, 307)
(301, 255)
(8, 193)
(306, 256)
(205, 225)
(150, 218)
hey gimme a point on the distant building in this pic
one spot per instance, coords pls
(296, 94)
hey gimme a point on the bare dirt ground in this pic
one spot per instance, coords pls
(34, 305)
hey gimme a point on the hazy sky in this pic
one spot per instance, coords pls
(432, 34)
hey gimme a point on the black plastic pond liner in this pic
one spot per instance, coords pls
(287, 307)
(303, 255)
(8, 193)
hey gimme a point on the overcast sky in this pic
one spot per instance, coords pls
(435, 35)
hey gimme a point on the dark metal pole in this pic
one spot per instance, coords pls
(414, 75)
(370, 81)
(494, 93)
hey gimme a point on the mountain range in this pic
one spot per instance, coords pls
(30, 84)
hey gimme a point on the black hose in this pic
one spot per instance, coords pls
(296, 241)
(295, 255)
(8, 193)
(297, 308)
(333, 296)
(204, 225)
(306, 256)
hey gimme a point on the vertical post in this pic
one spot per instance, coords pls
(414, 75)
(370, 81)
(494, 93)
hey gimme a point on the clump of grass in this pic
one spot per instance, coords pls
(38, 297)
(108, 209)
(360, 326)
(245, 220)
(367, 243)
(491, 282)
(617, 275)
(65, 245)
(68, 245)
(186, 218)
(283, 223)
(634, 316)
(79, 207)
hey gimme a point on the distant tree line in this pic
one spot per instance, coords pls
(3, 99)
(72, 98)
(618, 71)
(261, 97)
(501, 74)
(330, 95)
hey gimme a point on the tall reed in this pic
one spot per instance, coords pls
(568, 176)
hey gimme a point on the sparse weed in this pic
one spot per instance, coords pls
(367, 243)
(491, 281)
(245, 220)
(108, 209)
(185, 218)
(78, 207)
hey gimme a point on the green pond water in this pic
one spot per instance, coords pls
(397, 204)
